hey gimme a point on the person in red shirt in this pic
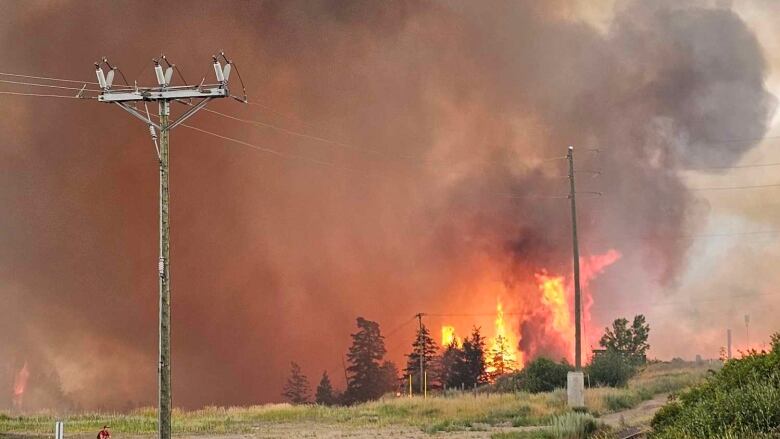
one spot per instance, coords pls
(104, 433)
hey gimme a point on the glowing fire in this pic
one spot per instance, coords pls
(549, 304)
(554, 298)
(448, 337)
(503, 355)
(20, 383)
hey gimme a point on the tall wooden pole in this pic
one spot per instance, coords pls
(164, 371)
(421, 346)
(576, 256)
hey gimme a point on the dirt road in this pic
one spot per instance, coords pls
(641, 414)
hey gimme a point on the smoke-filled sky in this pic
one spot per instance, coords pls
(430, 180)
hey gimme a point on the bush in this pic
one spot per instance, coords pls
(573, 426)
(610, 369)
(540, 375)
(741, 400)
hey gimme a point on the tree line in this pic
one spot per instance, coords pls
(465, 365)
(370, 375)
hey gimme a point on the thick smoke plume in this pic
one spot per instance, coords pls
(440, 109)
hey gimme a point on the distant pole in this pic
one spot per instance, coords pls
(425, 385)
(344, 366)
(410, 385)
(420, 345)
(728, 344)
(576, 256)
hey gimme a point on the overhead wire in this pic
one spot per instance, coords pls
(61, 87)
(271, 150)
(41, 95)
(726, 188)
(752, 165)
(47, 78)
(332, 141)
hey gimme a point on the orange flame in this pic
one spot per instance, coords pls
(20, 384)
(553, 306)
(503, 345)
(448, 337)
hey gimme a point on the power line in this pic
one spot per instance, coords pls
(272, 151)
(47, 78)
(39, 95)
(726, 188)
(752, 165)
(399, 327)
(6, 81)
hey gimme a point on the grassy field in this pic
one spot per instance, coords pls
(455, 411)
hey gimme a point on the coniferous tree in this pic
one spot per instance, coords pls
(297, 389)
(325, 395)
(390, 379)
(365, 357)
(499, 363)
(473, 369)
(452, 372)
(424, 345)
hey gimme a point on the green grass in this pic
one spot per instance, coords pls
(456, 411)
(655, 379)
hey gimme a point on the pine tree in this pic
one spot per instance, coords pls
(297, 389)
(499, 363)
(473, 369)
(452, 369)
(424, 345)
(325, 395)
(390, 380)
(365, 357)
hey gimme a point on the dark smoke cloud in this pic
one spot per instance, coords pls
(459, 104)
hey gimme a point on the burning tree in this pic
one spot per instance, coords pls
(367, 375)
(501, 362)
(297, 389)
(423, 346)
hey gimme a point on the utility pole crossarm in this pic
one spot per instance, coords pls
(163, 94)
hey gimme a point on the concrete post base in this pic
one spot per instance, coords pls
(575, 389)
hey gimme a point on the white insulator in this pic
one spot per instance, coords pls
(101, 77)
(226, 71)
(218, 71)
(168, 75)
(152, 132)
(160, 75)
(110, 78)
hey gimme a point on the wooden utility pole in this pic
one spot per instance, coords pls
(164, 374)
(127, 97)
(576, 256)
(421, 346)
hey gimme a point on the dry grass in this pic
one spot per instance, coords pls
(442, 413)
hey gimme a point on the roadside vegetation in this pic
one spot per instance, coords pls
(445, 411)
(742, 400)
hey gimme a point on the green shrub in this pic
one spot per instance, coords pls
(540, 375)
(742, 400)
(610, 368)
(622, 401)
(573, 425)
